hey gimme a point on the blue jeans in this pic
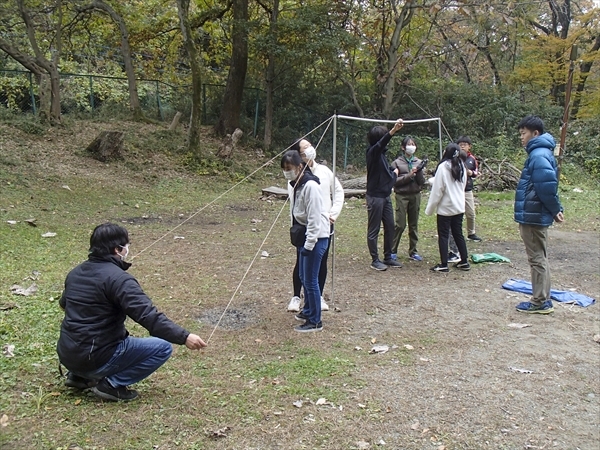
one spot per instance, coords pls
(310, 263)
(133, 360)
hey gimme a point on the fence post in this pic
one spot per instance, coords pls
(256, 114)
(204, 103)
(31, 94)
(346, 147)
(92, 104)
(160, 111)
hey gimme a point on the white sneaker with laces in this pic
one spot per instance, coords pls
(294, 305)
(324, 306)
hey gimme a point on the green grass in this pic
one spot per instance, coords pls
(239, 382)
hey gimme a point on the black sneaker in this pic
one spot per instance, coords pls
(453, 257)
(439, 268)
(308, 327)
(474, 237)
(105, 391)
(463, 266)
(378, 265)
(77, 382)
(392, 263)
(300, 317)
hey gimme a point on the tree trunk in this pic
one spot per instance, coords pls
(190, 46)
(270, 78)
(584, 71)
(229, 119)
(134, 101)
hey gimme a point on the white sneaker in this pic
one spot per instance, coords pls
(324, 306)
(294, 305)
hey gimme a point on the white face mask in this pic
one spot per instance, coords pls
(126, 247)
(289, 175)
(310, 153)
(410, 149)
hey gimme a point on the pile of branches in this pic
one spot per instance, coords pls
(497, 175)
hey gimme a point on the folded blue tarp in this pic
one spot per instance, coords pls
(559, 296)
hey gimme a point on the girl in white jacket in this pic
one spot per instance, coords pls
(307, 210)
(447, 198)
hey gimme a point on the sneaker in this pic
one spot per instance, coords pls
(394, 256)
(453, 257)
(301, 317)
(416, 257)
(378, 265)
(308, 327)
(439, 268)
(324, 306)
(294, 305)
(463, 266)
(392, 263)
(474, 237)
(106, 392)
(77, 382)
(530, 308)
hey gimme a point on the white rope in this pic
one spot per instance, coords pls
(362, 119)
(247, 270)
(224, 193)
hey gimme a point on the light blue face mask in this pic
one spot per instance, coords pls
(289, 175)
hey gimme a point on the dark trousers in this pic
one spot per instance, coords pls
(445, 225)
(322, 270)
(380, 211)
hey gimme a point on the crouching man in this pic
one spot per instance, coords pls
(94, 345)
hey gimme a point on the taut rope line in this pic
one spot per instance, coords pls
(226, 192)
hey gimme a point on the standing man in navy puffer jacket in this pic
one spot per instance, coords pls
(536, 207)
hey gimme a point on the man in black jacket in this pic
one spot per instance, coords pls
(380, 181)
(94, 345)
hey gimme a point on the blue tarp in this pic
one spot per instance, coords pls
(559, 296)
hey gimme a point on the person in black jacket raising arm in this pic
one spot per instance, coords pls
(94, 344)
(380, 181)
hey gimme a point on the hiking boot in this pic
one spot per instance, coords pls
(416, 257)
(301, 317)
(463, 266)
(474, 237)
(378, 265)
(324, 306)
(77, 382)
(453, 257)
(308, 327)
(294, 305)
(530, 308)
(106, 392)
(392, 263)
(439, 268)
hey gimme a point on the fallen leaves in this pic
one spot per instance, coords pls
(515, 369)
(379, 349)
(8, 350)
(220, 433)
(4, 420)
(48, 234)
(20, 290)
(519, 325)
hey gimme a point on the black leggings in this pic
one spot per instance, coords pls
(322, 271)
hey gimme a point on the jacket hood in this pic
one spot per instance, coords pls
(545, 141)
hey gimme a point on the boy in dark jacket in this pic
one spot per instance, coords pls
(380, 181)
(536, 207)
(94, 345)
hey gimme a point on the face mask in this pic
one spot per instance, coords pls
(310, 153)
(126, 247)
(410, 149)
(289, 175)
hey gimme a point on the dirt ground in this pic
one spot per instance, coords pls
(456, 375)
(474, 381)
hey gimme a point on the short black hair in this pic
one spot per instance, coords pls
(106, 237)
(296, 145)
(375, 134)
(406, 140)
(532, 123)
(465, 139)
(291, 157)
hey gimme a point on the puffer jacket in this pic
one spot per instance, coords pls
(536, 197)
(406, 184)
(99, 295)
